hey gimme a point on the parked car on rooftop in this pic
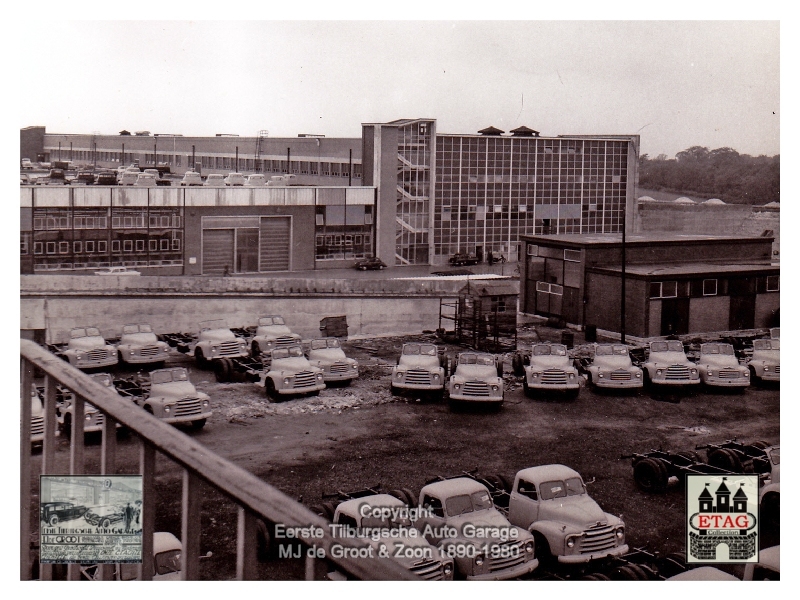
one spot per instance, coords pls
(372, 263)
(215, 179)
(191, 178)
(106, 178)
(146, 180)
(234, 179)
(256, 180)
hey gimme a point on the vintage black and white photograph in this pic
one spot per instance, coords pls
(463, 298)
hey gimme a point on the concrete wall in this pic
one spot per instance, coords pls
(710, 313)
(766, 305)
(603, 301)
(57, 303)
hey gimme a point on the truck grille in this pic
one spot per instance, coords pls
(230, 348)
(149, 351)
(304, 379)
(620, 375)
(554, 377)
(37, 425)
(97, 354)
(285, 340)
(187, 406)
(338, 368)
(516, 557)
(418, 377)
(597, 538)
(476, 388)
(729, 374)
(428, 568)
(676, 373)
(98, 418)
(777, 369)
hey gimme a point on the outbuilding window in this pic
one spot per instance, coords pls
(773, 283)
(709, 287)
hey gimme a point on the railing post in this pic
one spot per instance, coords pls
(50, 425)
(76, 466)
(26, 379)
(147, 467)
(190, 526)
(246, 546)
(108, 467)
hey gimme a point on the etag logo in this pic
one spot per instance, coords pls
(722, 522)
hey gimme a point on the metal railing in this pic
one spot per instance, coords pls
(254, 498)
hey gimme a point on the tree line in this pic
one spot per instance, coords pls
(722, 173)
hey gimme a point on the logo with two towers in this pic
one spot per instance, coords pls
(722, 523)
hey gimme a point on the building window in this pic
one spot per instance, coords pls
(140, 245)
(38, 247)
(572, 255)
(89, 246)
(63, 247)
(664, 289)
(773, 283)
(709, 287)
(533, 250)
(77, 247)
(127, 245)
(549, 288)
(153, 245)
(102, 246)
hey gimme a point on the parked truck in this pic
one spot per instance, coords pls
(215, 340)
(420, 368)
(139, 345)
(87, 349)
(327, 354)
(667, 365)
(612, 368)
(290, 374)
(765, 363)
(477, 379)
(719, 367)
(551, 370)
(272, 333)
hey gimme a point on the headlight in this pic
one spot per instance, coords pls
(205, 403)
(766, 367)
(710, 373)
(436, 376)
(132, 353)
(570, 542)
(658, 371)
(89, 417)
(529, 547)
(694, 371)
(355, 364)
(319, 376)
(399, 375)
(746, 373)
(479, 560)
(638, 374)
(79, 355)
(456, 386)
(494, 388)
(620, 533)
(448, 568)
(166, 409)
(601, 375)
(534, 374)
(286, 380)
(572, 375)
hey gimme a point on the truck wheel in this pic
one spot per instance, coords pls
(760, 444)
(272, 393)
(754, 378)
(223, 369)
(53, 520)
(412, 500)
(517, 366)
(651, 475)
(724, 458)
(202, 363)
(628, 572)
(199, 424)
(691, 456)
(672, 564)
(255, 350)
(395, 390)
(541, 549)
(528, 391)
(67, 426)
(400, 495)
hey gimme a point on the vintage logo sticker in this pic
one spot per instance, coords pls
(722, 518)
(90, 518)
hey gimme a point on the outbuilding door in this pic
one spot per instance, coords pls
(674, 316)
(218, 251)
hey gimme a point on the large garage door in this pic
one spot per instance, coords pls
(217, 251)
(276, 242)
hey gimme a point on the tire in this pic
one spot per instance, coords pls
(724, 458)
(754, 378)
(770, 511)
(690, 455)
(541, 549)
(198, 425)
(672, 564)
(760, 444)
(596, 577)
(53, 520)
(412, 499)
(269, 387)
(67, 427)
(201, 361)
(223, 370)
(528, 391)
(330, 510)
(400, 495)
(651, 475)
(395, 390)
(505, 481)
(628, 573)
(255, 350)
(106, 524)
(500, 368)
(516, 365)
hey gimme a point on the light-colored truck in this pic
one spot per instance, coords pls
(459, 516)
(383, 522)
(612, 368)
(765, 364)
(552, 503)
(272, 333)
(719, 367)
(327, 354)
(215, 340)
(93, 419)
(419, 368)
(551, 370)
(139, 345)
(667, 365)
(476, 379)
(169, 395)
(290, 374)
(87, 349)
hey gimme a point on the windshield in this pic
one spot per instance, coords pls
(425, 349)
(725, 349)
(214, 324)
(143, 328)
(475, 359)
(775, 456)
(671, 346)
(560, 489)
(767, 344)
(295, 351)
(550, 349)
(271, 321)
(167, 375)
(326, 343)
(611, 350)
(168, 562)
(102, 379)
(84, 332)
(459, 505)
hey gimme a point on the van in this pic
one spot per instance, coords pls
(146, 180)
(128, 177)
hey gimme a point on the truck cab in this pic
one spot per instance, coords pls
(92, 418)
(37, 417)
(765, 364)
(327, 354)
(612, 368)
(476, 379)
(290, 374)
(552, 503)
(551, 369)
(418, 368)
(667, 365)
(459, 516)
(87, 349)
(173, 399)
(139, 345)
(215, 340)
(719, 367)
(371, 519)
(272, 333)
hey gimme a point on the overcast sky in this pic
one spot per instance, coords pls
(677, 83)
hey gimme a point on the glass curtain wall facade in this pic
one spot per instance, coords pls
(414, 186)
(491, 189)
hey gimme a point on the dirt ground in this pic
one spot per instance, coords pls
(348, 438)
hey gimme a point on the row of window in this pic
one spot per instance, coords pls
(101, 246)
(140, 221)
(711, 287)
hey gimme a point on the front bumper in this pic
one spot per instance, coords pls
(137, 359)
(402, 385)
(675, 382)
(344, 376)
(187, 418)
(461, 397)
(769, 376)
(584, 558)
(303, 390)
(510, 573)
(554, 387)
(740, 382)
(84, 363)
(618, 384)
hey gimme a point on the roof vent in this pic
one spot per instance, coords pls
(523, 131)
(491, 130)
